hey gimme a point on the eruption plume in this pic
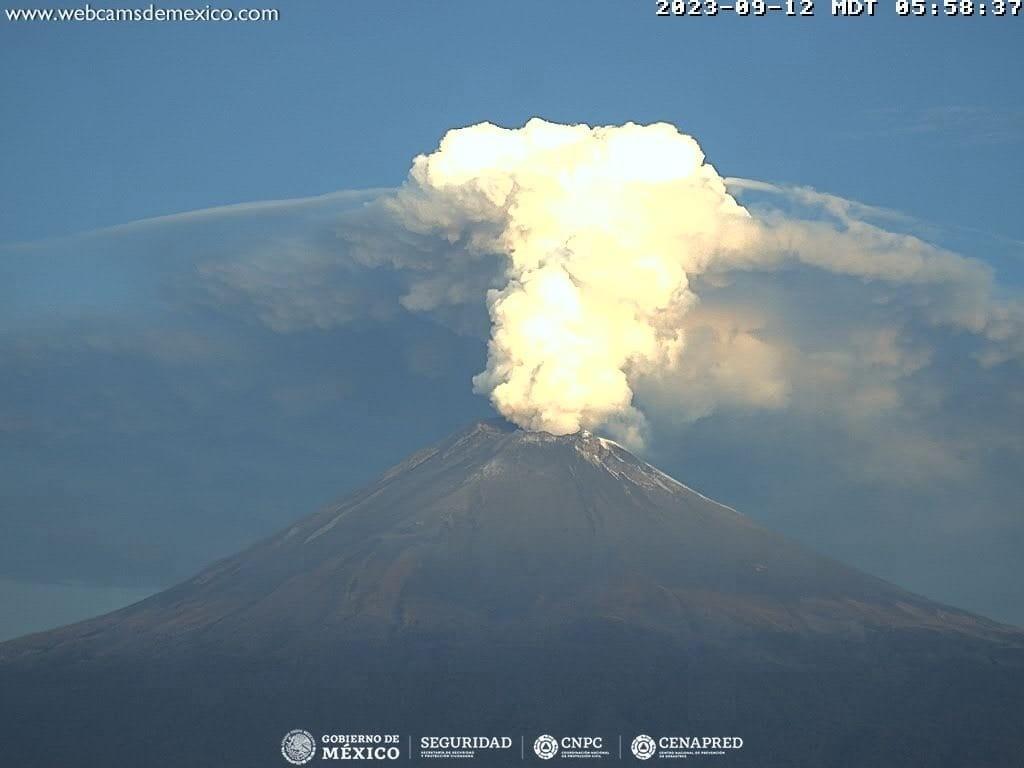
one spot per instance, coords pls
(600, 228)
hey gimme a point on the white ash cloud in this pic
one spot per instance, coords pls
(619, 282)
(599, 248)
(600, 229)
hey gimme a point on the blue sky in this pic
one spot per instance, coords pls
(134, 458)
(109, 123)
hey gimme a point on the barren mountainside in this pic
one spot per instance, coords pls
(505, 581)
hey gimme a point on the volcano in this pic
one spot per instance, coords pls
(519, 583)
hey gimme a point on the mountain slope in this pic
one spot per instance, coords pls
(514, 580)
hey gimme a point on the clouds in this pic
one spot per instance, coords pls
(726, 362)
(597, 229)
(842, 240)
(968, 123)
(761, 340)
(617, 276)
(610, 258)
(292, 286)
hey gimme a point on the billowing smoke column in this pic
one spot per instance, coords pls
(600, 227)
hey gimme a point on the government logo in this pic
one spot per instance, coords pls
(546, 747)
(643, 747)
(298, 746)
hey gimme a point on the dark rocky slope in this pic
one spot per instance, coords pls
(511, 582)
